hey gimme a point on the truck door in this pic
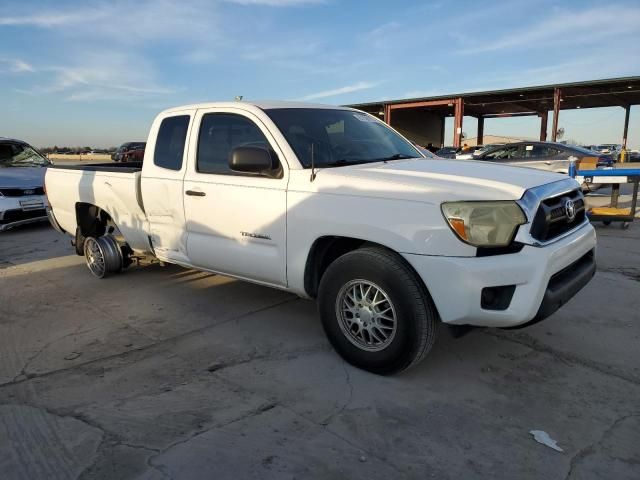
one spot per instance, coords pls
(161, 185)
(236, 223)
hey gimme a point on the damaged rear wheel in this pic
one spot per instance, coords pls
(103, 255)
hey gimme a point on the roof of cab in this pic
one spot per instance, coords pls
(261, 105)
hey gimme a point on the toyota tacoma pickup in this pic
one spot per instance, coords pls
(332, 204)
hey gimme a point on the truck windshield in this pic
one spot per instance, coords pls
(337, 137)
(18, 155)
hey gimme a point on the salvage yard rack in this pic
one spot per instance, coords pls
(618, 174)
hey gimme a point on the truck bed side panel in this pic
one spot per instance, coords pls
(115, 192)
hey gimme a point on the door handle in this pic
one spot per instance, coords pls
(195, 193)
(547, 163)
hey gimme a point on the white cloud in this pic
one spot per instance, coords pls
(566, 27)
(384, 29)
(124, 21)
(98, 77)
(15, 65)
(104, 45)
(339, 91)
(52, 19)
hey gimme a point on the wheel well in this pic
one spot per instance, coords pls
(323, 252)
(92, 220)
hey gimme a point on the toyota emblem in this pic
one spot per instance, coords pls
(570, 210)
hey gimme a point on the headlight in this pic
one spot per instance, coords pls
(484, 224)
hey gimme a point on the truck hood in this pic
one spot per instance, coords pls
(22, 177)
(432, 180)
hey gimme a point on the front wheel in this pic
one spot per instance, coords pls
(376, 312)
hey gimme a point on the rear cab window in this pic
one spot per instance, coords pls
(170, 141)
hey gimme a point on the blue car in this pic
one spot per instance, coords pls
(22, 197)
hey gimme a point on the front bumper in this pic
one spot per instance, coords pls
(544, 278)
(16, 211)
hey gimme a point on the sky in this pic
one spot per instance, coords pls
(96, 73)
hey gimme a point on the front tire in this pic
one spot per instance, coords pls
(376, 312)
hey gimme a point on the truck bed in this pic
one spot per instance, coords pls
(112, 187)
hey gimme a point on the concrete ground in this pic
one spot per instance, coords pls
(162, 372)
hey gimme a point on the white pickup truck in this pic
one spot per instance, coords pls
(331, 203)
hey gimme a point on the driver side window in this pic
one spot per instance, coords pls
(220, 134)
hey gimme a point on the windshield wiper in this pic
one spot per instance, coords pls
(396, 156)
(360, 161)
(342, 161)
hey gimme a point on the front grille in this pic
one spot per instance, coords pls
(21, 192)
(11, 216)
(552, 219)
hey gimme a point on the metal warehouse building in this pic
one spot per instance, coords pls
(423, 119)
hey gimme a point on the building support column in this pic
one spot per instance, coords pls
(457, 122)
(627, 111)
(557, 98)
(480, 139)
(387, 114)
(544, 121)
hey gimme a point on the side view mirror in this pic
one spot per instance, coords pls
(255, 160)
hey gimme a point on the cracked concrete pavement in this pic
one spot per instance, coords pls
(163, 373)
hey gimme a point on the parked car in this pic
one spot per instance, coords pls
(542, 155)
(612, 149)
(331, 203)
(477, 151)
(633, 155)
(119, 154)
(134, 154)
(22, 170)
(551, 156)
(448, 152)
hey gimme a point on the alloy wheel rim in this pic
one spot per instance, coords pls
(366, 315)
(95, 257)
